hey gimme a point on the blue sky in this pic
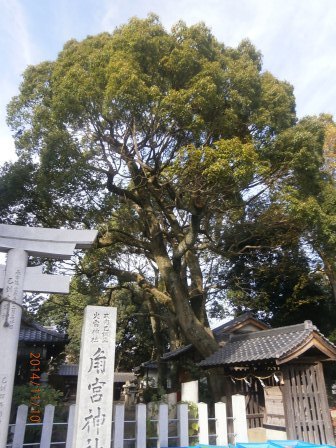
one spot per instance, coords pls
(296, 37)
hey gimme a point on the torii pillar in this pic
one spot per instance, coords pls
(15, 278)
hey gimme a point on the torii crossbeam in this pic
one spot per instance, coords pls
(19, 242)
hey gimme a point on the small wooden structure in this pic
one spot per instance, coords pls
(178, 374)
(280, 372)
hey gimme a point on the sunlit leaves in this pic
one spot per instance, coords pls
(218, 174)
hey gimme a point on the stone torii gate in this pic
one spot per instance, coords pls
(19, 242)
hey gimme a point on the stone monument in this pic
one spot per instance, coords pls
(20, 242)
(94, 398)
(189, 392)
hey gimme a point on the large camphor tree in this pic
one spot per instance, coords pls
(182, 151)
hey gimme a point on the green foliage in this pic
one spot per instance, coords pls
(218, 173)
(48, 395)
(193, 422)
(134, 342)
(151, 429)
(153, 395)
(190, 161)
(281, 287)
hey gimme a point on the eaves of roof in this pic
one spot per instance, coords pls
(33, 332)
(274, 344)
(176, 353)
(236, 323)
(72, 370)
(219, 332)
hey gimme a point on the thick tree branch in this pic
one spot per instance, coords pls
(121, 192)
(119, 236)
(190, 237)
(134, 277)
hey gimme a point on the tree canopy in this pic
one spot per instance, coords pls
(189, 159)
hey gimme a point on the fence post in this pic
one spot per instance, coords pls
(203, 423)
(141, 426)
(71, 424)
(221, 424)
(20, 426)
(119, 420)
(239, 418)
(47, 425)
(163, 425)
(183, 424)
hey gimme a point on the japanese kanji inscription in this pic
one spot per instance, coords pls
(95, 381)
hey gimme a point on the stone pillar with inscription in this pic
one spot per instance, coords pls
(94, 399)
(15, 278)
(10, 318)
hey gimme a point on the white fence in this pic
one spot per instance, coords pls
(156, 431)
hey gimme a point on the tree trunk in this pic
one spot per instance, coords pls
(196, 288)
(194, 331)
(159, 344)
(330, 270)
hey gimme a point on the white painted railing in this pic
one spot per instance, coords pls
(173, 432)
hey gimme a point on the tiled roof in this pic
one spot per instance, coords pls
(72, 370)
(148, 365)
(263, 345)
(176, 352)
(231, 324)
(33, 332)
(219, 333)
(68, 370)
(122, 377)
(151, 364)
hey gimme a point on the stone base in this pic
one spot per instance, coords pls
(274, 434)
(256, 435)
(263, 434)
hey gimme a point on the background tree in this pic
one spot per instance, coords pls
(309, 196)
(177, 147)
(282, 254)
(134, 338)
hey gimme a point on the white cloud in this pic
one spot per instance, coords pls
(17, 51)
(18, 42)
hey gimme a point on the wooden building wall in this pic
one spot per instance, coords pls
(298, 405)
(306, 405)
